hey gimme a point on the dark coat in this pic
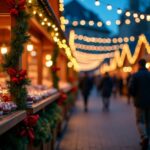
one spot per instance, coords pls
(106, 86)
(85, 85)
(139, 87)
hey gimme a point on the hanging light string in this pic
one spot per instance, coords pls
(98, 48)
(99, 24)
(52, 28)
(138, 17)
(119, 11)
(104, 40)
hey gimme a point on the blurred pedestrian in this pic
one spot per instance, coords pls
(120, 86)
(127, 87)
(114, 90)
(85, 87)
(106, 90)
(139, 87)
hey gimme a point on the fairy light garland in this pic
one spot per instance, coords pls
(104, 40)
(39, 13)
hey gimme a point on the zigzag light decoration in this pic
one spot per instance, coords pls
(119, 59)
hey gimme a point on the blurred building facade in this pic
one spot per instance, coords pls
(135, 28)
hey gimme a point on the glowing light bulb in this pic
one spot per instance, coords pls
(4, 49)
(109, 7)
(119, 11)
(49, 63)
(128, 14)
(118, 22)
(30, 47)
(97, 2)
(108, 23)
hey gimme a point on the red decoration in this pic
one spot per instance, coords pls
(74, 89)
(55, 68)
(16, 76)
(6, 98)
(16, 6)
(29, 122)
(63, 97)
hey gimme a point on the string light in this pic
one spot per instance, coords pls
(102, 40)
(109, 7)
(128, 14)
(49, 63)
(108, 22)
(29, 47)
(118, 22)
(119, 11)
(97, 2)
(142, 16)
(127, 21)
(119, 58)
(135, 15)
(4, 49)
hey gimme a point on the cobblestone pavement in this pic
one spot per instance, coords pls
(98, 130)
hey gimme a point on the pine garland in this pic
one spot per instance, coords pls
(54, 69)
(12, 59)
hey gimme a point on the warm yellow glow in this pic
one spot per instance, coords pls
(137, 20)
(119, 58)
(45, 19)
(135, 15)
(48, 57)
(91, 23)
(148, 17)
(40, 14)
(132, 38)
(4, 49)
(118, 22)
(33, 53)
(29, 47)
(127, 21)
(147, 65)
(142, 16)
(126, 39)
(30, 1)
(128, 14)
(82, 22)
(34, 12)
(99, 24)
(49, 24)
(70, 64)
(49, 63)
(127, 69)
(42, 23)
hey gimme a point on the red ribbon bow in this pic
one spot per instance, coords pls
(16, 7)
(15, 75)
(29, 122)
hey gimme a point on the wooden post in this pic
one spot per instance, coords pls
(40, 63)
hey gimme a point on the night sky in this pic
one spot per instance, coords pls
(102, 11)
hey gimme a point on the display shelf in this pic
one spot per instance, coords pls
(43, 103)
(10, 120)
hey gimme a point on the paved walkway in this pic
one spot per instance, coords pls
(96, 130)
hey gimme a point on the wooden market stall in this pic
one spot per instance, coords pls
(43, 56)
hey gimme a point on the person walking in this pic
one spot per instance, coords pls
(106, 90)
(85, 87)
(139, 88)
